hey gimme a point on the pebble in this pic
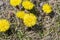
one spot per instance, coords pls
(1, 3)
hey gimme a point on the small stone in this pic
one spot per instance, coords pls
(1, 3)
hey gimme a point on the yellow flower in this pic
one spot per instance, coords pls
(15, 2)
(30, 20)
(46, 8)
(28, 5)
(4, 25)
(20, 14)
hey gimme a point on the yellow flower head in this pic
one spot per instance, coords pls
(46, 8)
(20, 14)
(15, 2)
(28, 5)
(4, 25)
(30, 20)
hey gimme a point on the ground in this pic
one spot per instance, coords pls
(47, 28)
